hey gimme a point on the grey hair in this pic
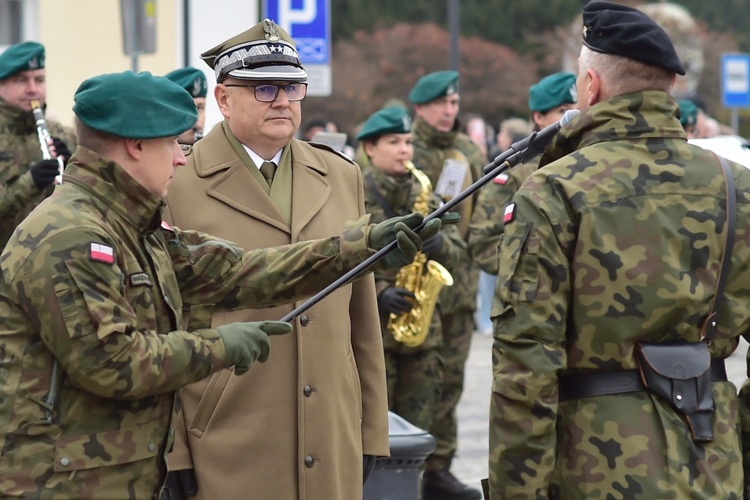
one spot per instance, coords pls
(622, 75)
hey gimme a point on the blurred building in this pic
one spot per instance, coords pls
(84, 38)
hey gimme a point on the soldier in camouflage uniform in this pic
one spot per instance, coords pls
(617, 239)
(25, 178)
(93, 286)
(549, 99)
(440, 149)
(414, 374)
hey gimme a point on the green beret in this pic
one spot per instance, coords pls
(139, 106)
(21, 57)
(264, 52)
(191, 79)
(611, 28)
(386, 121)
(553, 91)
(434, 85)
(688, 112)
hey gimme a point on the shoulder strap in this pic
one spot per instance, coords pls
(379, 197)
(709, 326)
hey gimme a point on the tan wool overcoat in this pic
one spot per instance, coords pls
(297, 426)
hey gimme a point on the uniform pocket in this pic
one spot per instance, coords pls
(518, 277)
(109, 448)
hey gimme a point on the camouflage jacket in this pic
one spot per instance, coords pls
(19, 149)
(616, 239)
(92, 349)
(486, 227)
(431, 149)
(400, 194)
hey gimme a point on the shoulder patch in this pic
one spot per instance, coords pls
(326, 147)
(100, 252)
(510, 213)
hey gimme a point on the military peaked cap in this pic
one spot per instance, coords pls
(264, 52)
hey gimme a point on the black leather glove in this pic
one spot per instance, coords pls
(368, 463)
(43, 173)
(61, 149)
(395, 300)
(180, 485)
(433, 245)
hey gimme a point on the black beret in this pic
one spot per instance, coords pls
(611, 28)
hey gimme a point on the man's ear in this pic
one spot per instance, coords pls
(134, 148)
(221, 94)
(594, 84)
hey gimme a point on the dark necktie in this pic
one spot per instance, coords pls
(267, 170)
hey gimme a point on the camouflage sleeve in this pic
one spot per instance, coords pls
(210, 270)
(78, 306)
(529, 315)
(744, 400)
(15, 195)
(486, 228)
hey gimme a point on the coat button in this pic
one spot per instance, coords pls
(304, 320)
(309, 461)
(64, 462)
(151, 447)
(307, 390)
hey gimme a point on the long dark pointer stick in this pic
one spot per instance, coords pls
(518, 152)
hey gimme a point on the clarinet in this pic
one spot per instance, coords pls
(45, 138)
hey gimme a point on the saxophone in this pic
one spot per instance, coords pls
(411, 328)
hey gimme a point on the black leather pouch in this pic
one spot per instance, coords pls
(680, 373)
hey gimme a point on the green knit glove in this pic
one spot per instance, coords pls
(246, 343)
(408, 242)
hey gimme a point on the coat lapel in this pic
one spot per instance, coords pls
(232, 183)
(310, 188)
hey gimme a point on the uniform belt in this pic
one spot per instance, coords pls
(593, 383)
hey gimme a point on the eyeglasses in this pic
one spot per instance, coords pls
(268, 92)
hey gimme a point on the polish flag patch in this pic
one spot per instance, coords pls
(102, 253)
(510, 213)
(165, 225)
(501, 179)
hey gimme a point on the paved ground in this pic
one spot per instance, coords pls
(473, 411)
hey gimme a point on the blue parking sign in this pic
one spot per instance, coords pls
(735, 80)
(308, 22)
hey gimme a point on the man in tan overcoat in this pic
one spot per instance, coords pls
(306, 424)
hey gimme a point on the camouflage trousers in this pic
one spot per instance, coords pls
(458, 328)
(414, 384)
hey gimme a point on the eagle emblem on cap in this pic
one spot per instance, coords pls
(585, 31)
(270, 28)
(33, 63)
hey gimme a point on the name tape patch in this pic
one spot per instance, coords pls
(140, 279)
